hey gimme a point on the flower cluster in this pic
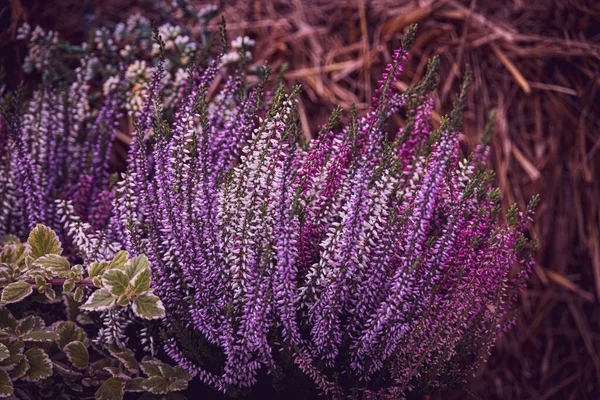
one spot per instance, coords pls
(373, 262)
(128, 47)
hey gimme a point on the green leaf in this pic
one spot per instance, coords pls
(16, 292)
(6, 386)
(69, 332)
(40, 281)
(20, 369)
(134, 385)
(117, 371)
(103, 363)
(141, 282)
(58, 265)
(123, 300)
(111, 389)
(6, 319)
(77, 354)
(4, 352)
(100, 300)
(40, 336)
(40, 365)
(150, 368)
(43, 240)
(66, 371)
(156, 385)
(136, 264)
(68, 285)
(97, 269)
(78, 295)
(166, 370)
(50, 294)
(9, 239)
(30, 323)
(178, 385)
(15, 347)
(148, 306)
(182, 373)
(115, 281)
(119, 260)
(74, 386)
(126, 356)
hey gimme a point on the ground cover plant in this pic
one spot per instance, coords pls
(373, 263)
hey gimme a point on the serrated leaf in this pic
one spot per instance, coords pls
(119, 260)
(111, 389)
(74, 386)
(40, 281)
(123, 300)
(40, 366)
(66, 371)
(97, 269)
(148, 306)
(117, 372)
(84, 319)
(100, 300)
(58, 265)
(103, 363)
(42, 241)
(78, 295)
(140, 283)
(115, 281)
(40, 336)
(68, 285)
(9, 239)
(30, 323)
(134, 385)
(127, 357)
(16, 292)
(150, 368)
(15, 347)
(136, 264)
(178, 385)
(20, 369)
(181, 373)
(166, 371)
(4, 352)
(77, 354)
(50, 294)
(69, 332)
(6, 386)
(7, 320)
(76, 272)
(156, 385)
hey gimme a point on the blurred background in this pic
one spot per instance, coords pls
(536, 62)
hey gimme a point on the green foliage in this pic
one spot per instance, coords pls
(16, 292)
(40, 266)
(35, 355)
(148, 306)
(43, 240)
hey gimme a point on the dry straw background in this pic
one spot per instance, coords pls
(536, 62)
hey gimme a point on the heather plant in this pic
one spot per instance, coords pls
(376, 263)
